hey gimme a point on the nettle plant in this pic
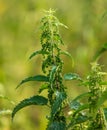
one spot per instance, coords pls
(86, 111)
(52, 68)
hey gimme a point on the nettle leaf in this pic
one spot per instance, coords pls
(102, 99)
(87, 94)
(43, 87)
(40, 78)
(66, 53)
(57, 126)
(51, 77)
(72, 76)
(60, 97)
(36, 53)
(76, 105)
(69, 55)
(35, 100)
(61, 24)
(102, 50)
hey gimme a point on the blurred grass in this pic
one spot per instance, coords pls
(19, 37)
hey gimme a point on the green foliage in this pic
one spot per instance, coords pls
(93, 107)
(57, 126)
(52, 73)
(87, 108)
(87, 94)
(36, 53)
(69, 55)
(40, 78)
(72, 76)
(60, 97)
(87, 32)
(52, 68)
(35, 100)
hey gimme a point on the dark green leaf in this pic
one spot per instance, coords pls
(36, 53)
(72, 76)
(102, 50)
(57, 126)
(35, 100)
(40, 78)
(60, 97)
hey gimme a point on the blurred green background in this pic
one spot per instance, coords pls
(19, 37)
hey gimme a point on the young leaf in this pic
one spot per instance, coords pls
(40, 78)
(102, 50)
(35, 100)
(36, 53)
(69, 55)
(72, 76)
(57, 126)
(44, 86)
(66, 53)
(60, 97)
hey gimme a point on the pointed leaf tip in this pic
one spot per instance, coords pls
(40, 78)
(36, 53)
(35, 100)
